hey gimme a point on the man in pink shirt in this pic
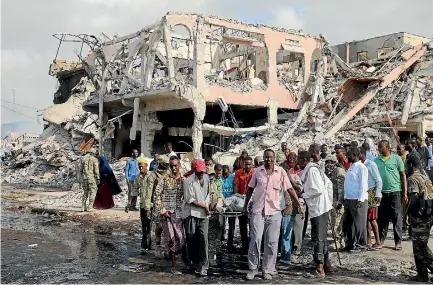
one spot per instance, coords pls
(267, 183)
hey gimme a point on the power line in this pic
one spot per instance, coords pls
(6, 101)
(20, 113)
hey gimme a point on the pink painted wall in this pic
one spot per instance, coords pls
(273, 40)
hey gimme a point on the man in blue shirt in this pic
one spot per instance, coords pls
(131, 171)
(154, 164)
(227, 180)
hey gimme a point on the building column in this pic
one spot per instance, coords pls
(421, 129)
(149, 125)
(199, 109)
(272, 112)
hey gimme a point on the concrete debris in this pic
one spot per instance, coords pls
(238, 86)
(45, 162)
(405, 95)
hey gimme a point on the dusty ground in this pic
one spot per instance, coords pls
(45, 245)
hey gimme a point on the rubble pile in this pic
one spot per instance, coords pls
(238, 86)
(44, 162)
(52, 159)
(404, 98)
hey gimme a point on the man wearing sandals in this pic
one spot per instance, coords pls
(391, 169)
(168, 203)
(374, 196)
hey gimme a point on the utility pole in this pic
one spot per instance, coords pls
(13, 100)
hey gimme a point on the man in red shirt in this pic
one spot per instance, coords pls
(341, 157)
(241, 180)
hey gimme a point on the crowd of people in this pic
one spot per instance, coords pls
(354, 189)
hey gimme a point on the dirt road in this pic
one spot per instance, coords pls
(65, 246)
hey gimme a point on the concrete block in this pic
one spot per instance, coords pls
(255, 81)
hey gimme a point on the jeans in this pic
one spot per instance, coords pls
(286, 237)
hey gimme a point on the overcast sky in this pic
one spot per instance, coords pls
(27, 46)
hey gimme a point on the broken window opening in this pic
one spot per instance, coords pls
(383, 52)
(291, 70)
(235, 58)
(182, 53)
(362, 56)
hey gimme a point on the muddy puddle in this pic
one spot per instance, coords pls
(44, 248)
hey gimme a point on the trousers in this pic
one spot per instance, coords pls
(146, 240)
(421, 227)
(298, 228)
(286, 238)
(270, 226)
(319, 230)
(337, 225)
(90, 188)
(196, 231)
(132, 192)
(390, 209)
(355, 223)
(243, 229)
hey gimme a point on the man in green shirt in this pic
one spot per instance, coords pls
(391, 169)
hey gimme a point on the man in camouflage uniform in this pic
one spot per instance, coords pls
(90, 180)
(140, 183)
(155, 184)
(420, 190)
(336, 173)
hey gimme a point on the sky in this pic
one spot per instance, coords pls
(28, 48)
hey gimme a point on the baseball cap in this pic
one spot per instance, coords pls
(210, 171)
(163, 159)
(199, 166)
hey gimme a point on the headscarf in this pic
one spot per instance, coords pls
(104, 167)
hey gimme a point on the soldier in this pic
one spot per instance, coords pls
(140, 183)
(336, 173)
(421, 220)
(90, 180)
(155, 184)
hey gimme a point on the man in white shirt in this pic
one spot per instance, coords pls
(318, 196)
(196, 196)
(169, 150)
(356, 203)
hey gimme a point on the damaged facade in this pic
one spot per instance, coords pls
(377, 48)
(198, 79)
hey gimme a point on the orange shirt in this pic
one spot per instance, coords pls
(242, 180)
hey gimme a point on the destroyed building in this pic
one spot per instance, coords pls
(377, 48)
(216, 87)
(197, 79)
